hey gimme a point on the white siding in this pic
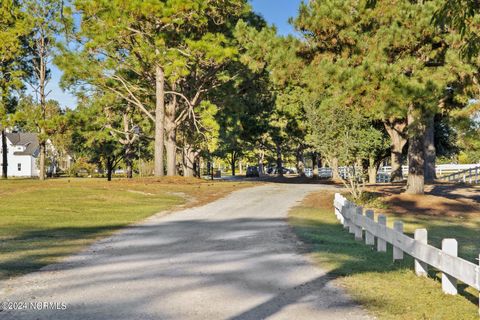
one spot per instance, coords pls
(27, 163)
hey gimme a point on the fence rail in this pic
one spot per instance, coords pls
(471, 175)
(468, 173)
(364, 227)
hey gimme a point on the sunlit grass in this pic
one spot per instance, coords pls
(389, 290)
(41, 222)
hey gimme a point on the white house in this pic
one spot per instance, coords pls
(22, 154)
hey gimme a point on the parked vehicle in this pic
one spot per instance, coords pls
(252, 172)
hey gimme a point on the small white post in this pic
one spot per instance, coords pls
(382, 244)
(421, 268)
(369, 237)
(345, 209)
(340, 216)
(449, 283)
(358, 229)
(351, 224)
(397, 252)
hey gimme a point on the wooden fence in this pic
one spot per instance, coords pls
(365, 228)
(470, 175)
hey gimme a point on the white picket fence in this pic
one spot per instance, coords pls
(468, 173)
(446, 260)
(471, 175)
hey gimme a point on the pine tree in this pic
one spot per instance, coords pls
(13, 29)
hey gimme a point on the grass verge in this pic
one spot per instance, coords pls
(389, 290)
(41, 222)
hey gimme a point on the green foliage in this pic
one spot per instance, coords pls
(275, 59)
(13, 29)
(192, 42)
(467, 127)
(463, 15)
(29, 118)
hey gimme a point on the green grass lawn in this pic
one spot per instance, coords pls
(389, 290)
(41, 222)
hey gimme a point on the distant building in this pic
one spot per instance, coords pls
(23, 152)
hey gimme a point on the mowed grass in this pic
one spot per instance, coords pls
(390, 290)
(41, 222)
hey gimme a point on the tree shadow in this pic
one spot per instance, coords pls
(354, 257)
(35, 249)
(252, 257)
(153, 264)
(461, 192)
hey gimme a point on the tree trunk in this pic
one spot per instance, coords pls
(196, 168)
(261, 157)
(42, 160)
(416, 154)
(300, 162)
(159, 121)
(171, 153)
(396, 131)
(171, 131)
(128, 162)
(233, 162)
(335, 173)
(189, 162)
(211, 169)
(42, 83)
(316, 174)
(110, 168)
(4, 155)
(240, 166)
(279, 160)
(372, 171)
(430, 152)
(199, 166)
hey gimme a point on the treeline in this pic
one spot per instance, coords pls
(179, 81)
(368, 81)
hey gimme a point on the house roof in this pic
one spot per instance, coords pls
(29, 140)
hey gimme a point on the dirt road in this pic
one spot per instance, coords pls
(234, 258)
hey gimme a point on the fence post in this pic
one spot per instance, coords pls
(342, 201)
(421, 268)
(449, 283)
(382, 244)
(337, 203)
(369, 237)
(470, 175)
(358, 228)
(351, 212)
(397, 252)
(346, 205)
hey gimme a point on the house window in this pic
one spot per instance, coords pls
(19, 166)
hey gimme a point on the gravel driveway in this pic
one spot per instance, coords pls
(234, 258)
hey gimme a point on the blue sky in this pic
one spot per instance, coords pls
(277, 12)
(274, 11)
